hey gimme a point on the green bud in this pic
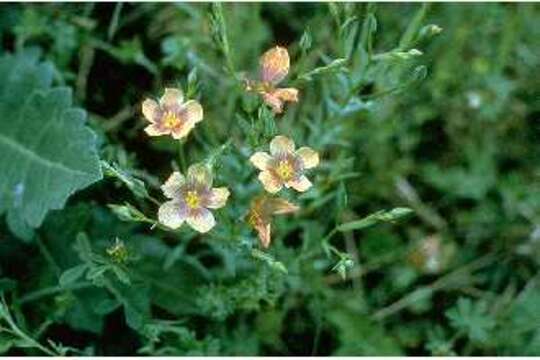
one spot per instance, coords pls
(429, 31)
(306, 41)
(118, 252)
(128, 213)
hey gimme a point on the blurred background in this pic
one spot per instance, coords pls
(431, 107)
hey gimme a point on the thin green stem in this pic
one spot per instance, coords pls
(41, 293)
(15, 330)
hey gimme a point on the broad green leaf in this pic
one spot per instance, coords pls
(46, 152)
(73, 274)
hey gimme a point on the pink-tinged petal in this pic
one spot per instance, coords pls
(172, 214)
(155, 130)
(261, 160)
(274, 102)
(173, 185)
(309, 157)
(218, 198)
(279, 206)
(286, 94)
(183, 130)
(200, 174)
(274, 65)
(193, 111)
(150, 110)
(281, 145)
(201, 220)
(172, 98)
(264, 232)
(270, 182)
(300, 184)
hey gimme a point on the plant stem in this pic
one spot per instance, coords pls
(441, 283)
(38, 294)
(14, 329)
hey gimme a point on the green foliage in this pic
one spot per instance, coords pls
(420, 235)
(471, 318)
(47, 152)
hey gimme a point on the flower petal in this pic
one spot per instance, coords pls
(171, 98)
(200, 174)
(150, 110)
(218, 198)
(274, 102)
(270, 182)
(155, 130)
(264, 232)
(183, 130)
(261, 160)
(172, 214)
(300, 184)
(286, 94)
(172, 187)
(193, 111)
(310, 158)
(281, 144)
(201, 220)
(274, 65)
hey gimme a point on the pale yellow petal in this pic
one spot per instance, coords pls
(154, 130)
(300, 184)
(171, 188)
(150, 110)
(286, 94)
(183, 130)
(274, 65)
(172, 214)
(201, 220)
(310, 158)
(200, 174)
(172, 97)
(218, 198)
(270, 182)
(261, 160)
(280, 145)
(194, 111)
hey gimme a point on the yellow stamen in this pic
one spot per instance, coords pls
(170, 120)
(285, 170)
(192, 199)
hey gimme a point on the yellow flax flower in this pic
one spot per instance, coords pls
(273, 67)
(285, 166)
(260, 215)
(171, 115)
(190, 198)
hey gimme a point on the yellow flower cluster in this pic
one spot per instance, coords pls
(191, 196)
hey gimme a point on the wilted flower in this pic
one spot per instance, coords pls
(260, 213)
(431, 255)
(171, 115)
(273, 67)
(191, 197)
(284, 165)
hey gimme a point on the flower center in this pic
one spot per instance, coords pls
(285, 170)
(192, 199)
(170, 120)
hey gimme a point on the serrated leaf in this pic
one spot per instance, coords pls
(472, 318)
(46, 152)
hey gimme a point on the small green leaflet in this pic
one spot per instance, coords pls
(46, 151)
